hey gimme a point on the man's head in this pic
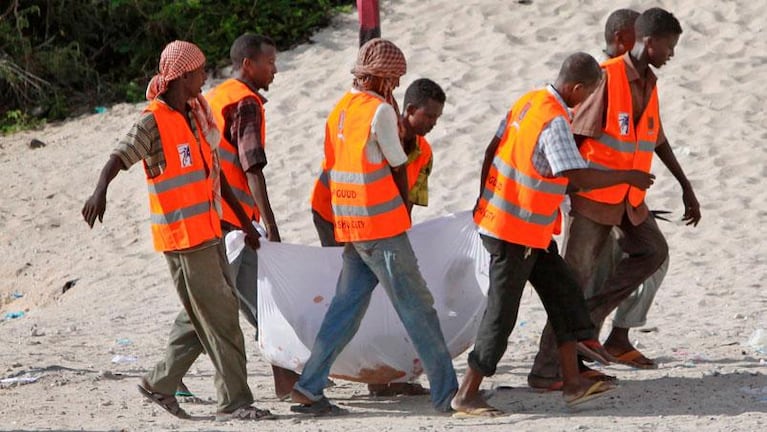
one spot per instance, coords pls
(619, 32)
(658, 31)
(379, 66)
(182, 66)
(578, 78)
(424, 100)
(253, 59)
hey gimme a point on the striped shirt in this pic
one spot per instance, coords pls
(142, 143)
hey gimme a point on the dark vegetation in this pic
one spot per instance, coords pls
(64, 57)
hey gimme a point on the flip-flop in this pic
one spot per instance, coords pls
(321, 408)
(166, 402)
(598, 389)
(629, 358)
(478, 412)
(246, 413)
(594, 351)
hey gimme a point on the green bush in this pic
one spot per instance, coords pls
(63, 57)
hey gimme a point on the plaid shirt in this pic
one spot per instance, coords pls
(555, 150)
(242, 128)
(142, 143)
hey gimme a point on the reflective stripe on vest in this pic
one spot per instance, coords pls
(228, 93)
(624, 143)
(365, 200)
(320, 199)
(517, 204)
(181, 197)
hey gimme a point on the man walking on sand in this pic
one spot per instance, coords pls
(176, 139)
(368, 184)
(524, 178)
(619, 127)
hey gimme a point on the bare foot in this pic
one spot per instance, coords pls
(474, 405)
(284, 380)
(298, 397)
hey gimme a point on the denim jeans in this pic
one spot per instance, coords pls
(391, 262)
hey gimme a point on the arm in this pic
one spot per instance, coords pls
(400, 179)
(257, 185)
(488, 161)
(96, 205)
(589, 178)
(247, 225)
(246, 126)
(691, 206)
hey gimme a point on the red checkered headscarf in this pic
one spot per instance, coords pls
(178, 58)
(380, 58)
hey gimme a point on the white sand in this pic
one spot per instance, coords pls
(484, 53)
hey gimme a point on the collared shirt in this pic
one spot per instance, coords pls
(555, 151)
(142, 143)
(589, 122)
(242, 128)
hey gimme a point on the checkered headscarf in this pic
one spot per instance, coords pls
(178, 58)
(380, 58)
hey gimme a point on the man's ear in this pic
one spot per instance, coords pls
(410, 109)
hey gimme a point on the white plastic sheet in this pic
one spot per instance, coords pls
(297, 283)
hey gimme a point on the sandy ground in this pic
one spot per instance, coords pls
(484, 53)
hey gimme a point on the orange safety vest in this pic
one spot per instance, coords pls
(518, 205)
(181, 198)
(321, 193)
(231, 92)
(624, 144)
(414, 168)
(365, 200)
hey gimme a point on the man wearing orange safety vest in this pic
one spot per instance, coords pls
(424, 101)
(238, 108)
(619, 127)
(525, 175)
(368, 185)
(176, 139)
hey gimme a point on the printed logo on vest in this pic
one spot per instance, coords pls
(650, 125)
(184, 155)
(623, 123)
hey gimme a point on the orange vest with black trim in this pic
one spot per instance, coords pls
(518, 205)
(321, 193)
(414, 168)
(231, 92)
(181, 199)
(365, 200)
(625, 144)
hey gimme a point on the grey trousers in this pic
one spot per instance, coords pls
(245, 273)
(207, 323)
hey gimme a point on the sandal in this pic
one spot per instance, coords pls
(594, 351)
(246, 413)
(321, 408)
(166, 402)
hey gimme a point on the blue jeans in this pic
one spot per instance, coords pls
(391, 262)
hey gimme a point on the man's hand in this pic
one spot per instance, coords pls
(639, 179)
(95, 207)
(252, 241)
(691, 207)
